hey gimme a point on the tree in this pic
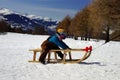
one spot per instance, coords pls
(65, 23)
(4, 27)
(103, 14)
(18, 30)
(39, 30)
(80, 24)
(96, 19)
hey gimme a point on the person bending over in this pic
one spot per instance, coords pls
(54, 42)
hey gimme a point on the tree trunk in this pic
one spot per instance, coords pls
(107, 34)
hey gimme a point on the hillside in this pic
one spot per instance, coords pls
(103, 64)
(27, 21)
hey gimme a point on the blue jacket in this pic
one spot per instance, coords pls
(54, 39)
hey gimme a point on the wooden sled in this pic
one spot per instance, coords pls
(67, 58)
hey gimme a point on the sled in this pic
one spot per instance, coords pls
(67, 55)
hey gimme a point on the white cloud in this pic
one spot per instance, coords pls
(59, 10)
(56, 13)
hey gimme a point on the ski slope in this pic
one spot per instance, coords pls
(103, 64)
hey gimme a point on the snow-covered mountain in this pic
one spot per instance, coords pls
(27, 21)
(5, 11)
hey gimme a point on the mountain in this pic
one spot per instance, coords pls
(27, 21)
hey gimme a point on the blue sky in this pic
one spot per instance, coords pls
(55, 9)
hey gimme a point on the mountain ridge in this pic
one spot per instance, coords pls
(27, 21)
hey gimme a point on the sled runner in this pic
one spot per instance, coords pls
(68, 55)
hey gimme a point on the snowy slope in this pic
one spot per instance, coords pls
(103, 64)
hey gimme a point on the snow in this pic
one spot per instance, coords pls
(1, 18)
(5, 11)
(33, 16)
(103, 64)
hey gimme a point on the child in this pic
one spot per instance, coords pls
(53, 42)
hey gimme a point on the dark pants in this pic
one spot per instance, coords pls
(46, 46)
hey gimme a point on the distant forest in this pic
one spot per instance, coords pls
(5, 27)
(100, 20)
